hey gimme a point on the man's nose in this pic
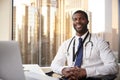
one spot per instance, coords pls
(78, 21)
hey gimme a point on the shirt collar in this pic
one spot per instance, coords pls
(83, 36)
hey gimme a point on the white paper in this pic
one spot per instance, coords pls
(34, 72)
(33, 68)
(35, 76)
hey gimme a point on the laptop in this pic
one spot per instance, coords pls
(11, 67)
(10, 61)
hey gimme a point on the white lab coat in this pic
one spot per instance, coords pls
(100, 61)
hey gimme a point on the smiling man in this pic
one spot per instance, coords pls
(88, 56)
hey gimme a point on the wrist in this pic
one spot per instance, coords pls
(63, 71)
(82, 73)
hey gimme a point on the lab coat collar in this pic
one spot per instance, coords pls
(83, 36)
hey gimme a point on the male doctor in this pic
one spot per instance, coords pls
(97, 61)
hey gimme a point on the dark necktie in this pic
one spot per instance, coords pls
(79, 54)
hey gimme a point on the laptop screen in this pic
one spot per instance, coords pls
(10, 61)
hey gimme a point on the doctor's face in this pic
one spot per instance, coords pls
(80, 23)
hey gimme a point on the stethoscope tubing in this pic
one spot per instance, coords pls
(89, 41)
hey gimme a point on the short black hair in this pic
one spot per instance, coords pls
(82, 12)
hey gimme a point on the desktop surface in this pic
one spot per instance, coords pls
(11, 67)
(34, 72)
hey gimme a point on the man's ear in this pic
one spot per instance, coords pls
(88, 22)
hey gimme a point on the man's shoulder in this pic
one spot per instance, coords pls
(97, 36)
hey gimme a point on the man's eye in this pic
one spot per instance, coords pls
(74, 19)
(83, 18)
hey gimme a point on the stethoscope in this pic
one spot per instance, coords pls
(88, 42)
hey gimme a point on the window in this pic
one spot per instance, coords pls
(40, 26)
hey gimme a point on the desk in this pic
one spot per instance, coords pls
(48, 69)
(34, 72)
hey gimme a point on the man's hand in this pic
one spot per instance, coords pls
(79, 72)
(68, 73)
(74, 73)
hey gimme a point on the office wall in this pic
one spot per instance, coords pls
(5, 19)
